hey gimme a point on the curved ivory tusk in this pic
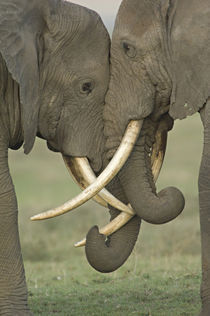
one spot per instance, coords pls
(118, 160)
(158, 153)
(79, 177)
(83, 174)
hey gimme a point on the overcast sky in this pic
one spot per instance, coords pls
(106, 8)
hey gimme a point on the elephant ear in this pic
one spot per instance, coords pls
(20, 28)
(190, 55)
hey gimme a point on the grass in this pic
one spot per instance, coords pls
(161, 277)
(138, 289)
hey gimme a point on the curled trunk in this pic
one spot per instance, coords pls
(106, 254)
(137, 181)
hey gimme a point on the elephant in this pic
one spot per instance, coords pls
(54, 69)
(160, 72)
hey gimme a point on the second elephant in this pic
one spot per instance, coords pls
(160, 71)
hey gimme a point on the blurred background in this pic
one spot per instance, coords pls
(42, 181)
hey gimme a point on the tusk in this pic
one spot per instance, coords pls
(158, 153)
(83, 174)
(118, 160)
(74, 167)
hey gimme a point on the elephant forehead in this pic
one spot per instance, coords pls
(83, 32)
(87, 54)
(136, 17)
(86, 60)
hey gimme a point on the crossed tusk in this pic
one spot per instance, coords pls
(157, 158)
(80, 177)
(118, 160)
(94, 187)
(84, 176)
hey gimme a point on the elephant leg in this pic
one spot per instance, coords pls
(204, 201)
(13, 291)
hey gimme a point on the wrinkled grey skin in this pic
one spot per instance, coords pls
(160, 66)
(54, 72)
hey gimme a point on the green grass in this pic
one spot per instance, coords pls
(140, 288)
(161, 277)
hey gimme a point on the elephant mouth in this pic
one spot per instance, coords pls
(93, 187)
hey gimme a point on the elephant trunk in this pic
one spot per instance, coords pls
(137, 181)
(106, 254)
(13, 291)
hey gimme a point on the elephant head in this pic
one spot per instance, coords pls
(58, 53)
(54, 71)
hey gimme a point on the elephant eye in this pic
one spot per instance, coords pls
(129, 50)
(87, 87)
